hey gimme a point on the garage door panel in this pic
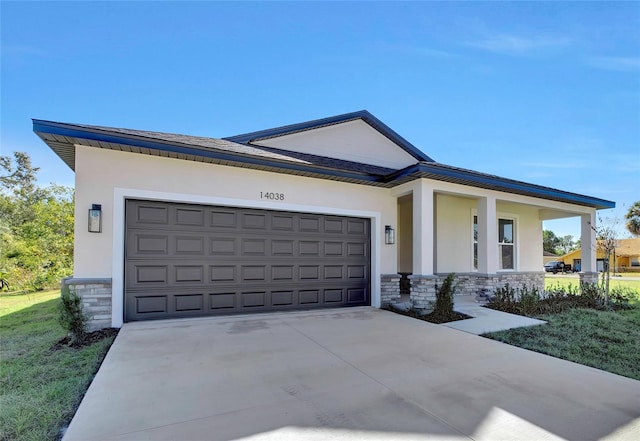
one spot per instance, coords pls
(190, 216)
(254, 247)
(222, 301)
(189, 245)
(185, 260)
(189, 273)
(188, 302)
(149, 213)
(223, 219)
(223, 246)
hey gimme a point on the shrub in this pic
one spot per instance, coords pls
(529, 302)
(71, 315)
(443, 308)
(504, 299)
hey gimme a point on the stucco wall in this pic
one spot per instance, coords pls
(404, 236)
(354, 140)
(453, 226)
(100, 172)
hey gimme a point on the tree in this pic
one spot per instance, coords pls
(566, 244)
(633, 219)
(550, 241)
(606, 243)
(36, 227)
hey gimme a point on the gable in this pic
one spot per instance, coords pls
(351, 140)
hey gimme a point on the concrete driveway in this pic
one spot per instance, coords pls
(357, 373)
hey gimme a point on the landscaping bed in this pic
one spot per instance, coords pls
(42, 379)
(432, 317)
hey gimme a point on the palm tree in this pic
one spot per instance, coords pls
(633, 219)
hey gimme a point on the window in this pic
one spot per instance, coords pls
(506, 244)
(475, 243)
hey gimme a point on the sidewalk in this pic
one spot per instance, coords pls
(485, 319)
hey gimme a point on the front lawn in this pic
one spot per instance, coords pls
(40, 387)
(607, 340)
(573, 280)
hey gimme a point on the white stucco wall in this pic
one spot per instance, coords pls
(354, 140)
(105, 175)
(453, 226)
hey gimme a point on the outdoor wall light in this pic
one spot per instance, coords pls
(95, 218)
(389, 235)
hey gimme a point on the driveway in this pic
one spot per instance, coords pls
(357, 373)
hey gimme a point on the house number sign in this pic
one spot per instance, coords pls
(272, 196)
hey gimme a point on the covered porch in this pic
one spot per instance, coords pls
(487, 238)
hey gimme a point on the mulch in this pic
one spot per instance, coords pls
(90, 338)
(432, 317)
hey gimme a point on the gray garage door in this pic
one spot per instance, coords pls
(194, 260)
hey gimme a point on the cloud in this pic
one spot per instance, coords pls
(619, 64)
(518, 45)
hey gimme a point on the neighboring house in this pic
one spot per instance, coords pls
(323, 213)
(548, 256)
(626, 256)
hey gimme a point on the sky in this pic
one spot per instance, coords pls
(547, 93)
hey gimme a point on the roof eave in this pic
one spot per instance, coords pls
(78, 134)
(469, 177)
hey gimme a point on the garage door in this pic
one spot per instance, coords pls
(194, 260)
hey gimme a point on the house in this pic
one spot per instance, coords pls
(548, 256)
(325, 213)
(625, 258)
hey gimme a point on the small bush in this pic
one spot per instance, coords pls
(557, 299)
(504, 299)
(443, 308)
(71, 315)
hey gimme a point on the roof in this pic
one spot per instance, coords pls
(624, 248)
(628, 247)
(239, 152)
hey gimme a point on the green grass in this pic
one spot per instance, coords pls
(605, 340)
(40, 389)
(550, 281)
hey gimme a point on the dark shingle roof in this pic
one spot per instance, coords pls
(62, 138)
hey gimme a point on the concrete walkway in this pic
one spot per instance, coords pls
(355, 373)
(485, 319)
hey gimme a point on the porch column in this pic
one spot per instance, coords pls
(588, 242)
(487, 236)
(423, 242)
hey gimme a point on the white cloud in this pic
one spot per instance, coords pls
(518, 45)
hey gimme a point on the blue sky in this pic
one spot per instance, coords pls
(548, 93)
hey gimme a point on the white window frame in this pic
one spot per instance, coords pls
(514, 244)
(516, 240)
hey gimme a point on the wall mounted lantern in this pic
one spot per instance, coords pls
(389, 235)
(95, 218)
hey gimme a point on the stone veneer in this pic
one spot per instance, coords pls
(423, 288)
(96, 299)
(389, 288)
(588, 277)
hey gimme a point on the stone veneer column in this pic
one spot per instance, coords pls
(389, 288)
(96, 299)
